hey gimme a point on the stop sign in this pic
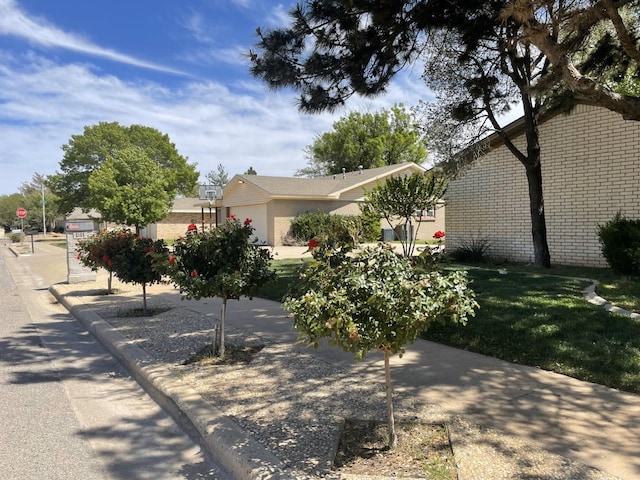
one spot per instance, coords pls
(21, 212)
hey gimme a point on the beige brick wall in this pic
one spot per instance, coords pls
(590, 169)
(175, 225)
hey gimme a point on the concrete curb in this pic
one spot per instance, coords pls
(242, 456)
(593, 298)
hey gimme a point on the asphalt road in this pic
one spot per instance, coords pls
(68, 410)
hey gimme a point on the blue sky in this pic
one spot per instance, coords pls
(175, 66)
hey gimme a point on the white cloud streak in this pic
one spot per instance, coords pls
(45, 103)
(15, 22)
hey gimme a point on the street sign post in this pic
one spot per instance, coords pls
(21, 213)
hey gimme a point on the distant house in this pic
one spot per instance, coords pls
(183, 212)
(272, 202)
(590, 169)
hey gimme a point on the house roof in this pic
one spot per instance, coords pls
(331, 186)
(188, 205)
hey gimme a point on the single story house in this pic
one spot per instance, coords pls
(272, 202)
(184, 211)
(590, 169)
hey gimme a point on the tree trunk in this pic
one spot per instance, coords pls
(542, 257)
(109, 291)
(393, 438)
(222, 318)
(533, 167)
(144, 299)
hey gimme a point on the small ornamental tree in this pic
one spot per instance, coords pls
(402, 200)
(134, 262)
(374, 300)
(99, 251)
(224, 262)
(124, 254)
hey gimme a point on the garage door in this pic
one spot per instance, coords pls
(258, 216)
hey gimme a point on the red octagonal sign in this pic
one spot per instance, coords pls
(21, 212)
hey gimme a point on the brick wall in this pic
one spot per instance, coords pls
(175, 225)
(590, 170)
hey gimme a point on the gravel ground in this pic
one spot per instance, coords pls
(295, 404)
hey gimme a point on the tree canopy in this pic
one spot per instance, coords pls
(562, 31)
(366, 140)
(86, 152)
(129, 188)
(476, 80)
(333, 50)
(8, 206)
(220, 176)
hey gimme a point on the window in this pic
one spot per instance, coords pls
(426, 215)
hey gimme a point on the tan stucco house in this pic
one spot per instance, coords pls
(272, 202)
(590, 169)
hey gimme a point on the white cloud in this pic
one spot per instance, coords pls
(44, 103)
(279, 16)
(39, 31)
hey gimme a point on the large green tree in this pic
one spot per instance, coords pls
(86, 152)
(366, 140)
(8, 206)
(334, 50)
(129, 188)
(563, 30)
(477, 80)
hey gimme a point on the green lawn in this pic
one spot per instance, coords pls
(287, 272)
(539, 318)
(544, 321)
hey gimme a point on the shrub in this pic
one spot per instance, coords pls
(15, 237)
(370, 226)
(620, 239)
(342, 228)
(473, 250)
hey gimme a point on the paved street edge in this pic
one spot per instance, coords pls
(226, 442)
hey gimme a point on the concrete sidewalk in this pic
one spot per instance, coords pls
(588, 423)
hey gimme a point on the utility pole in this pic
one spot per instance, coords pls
(44, 217)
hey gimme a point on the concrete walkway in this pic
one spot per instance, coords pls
(588, 423)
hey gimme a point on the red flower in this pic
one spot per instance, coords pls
(439, 234)
(105, 258)
(232, 217)
(78, 257)
(194, 273)
(247, 222)
(110, 262)
(172, 259)
(313, 243)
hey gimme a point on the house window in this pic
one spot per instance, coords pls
(426, 215)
